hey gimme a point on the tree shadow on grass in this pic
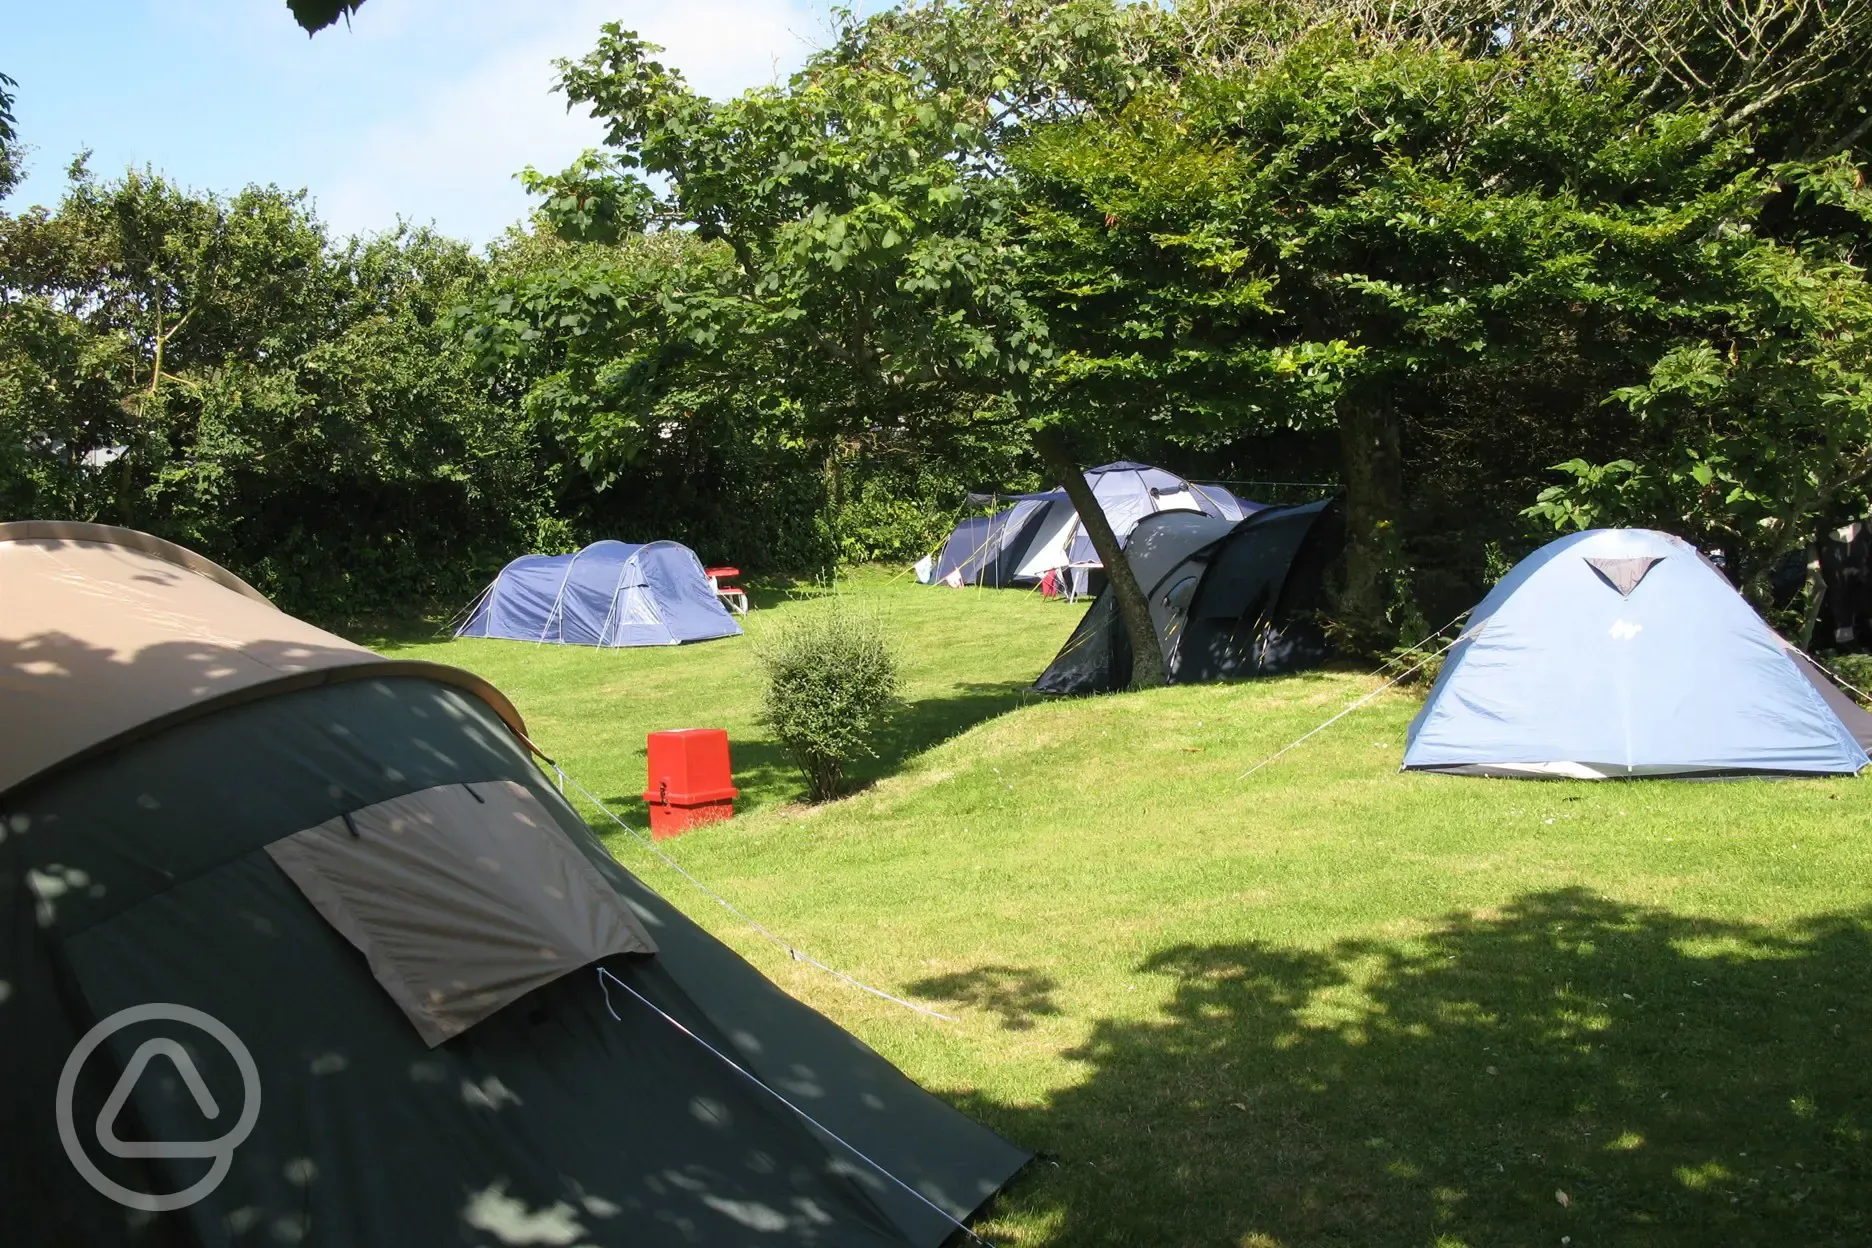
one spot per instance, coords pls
(1014, 994)
(1568, 1067)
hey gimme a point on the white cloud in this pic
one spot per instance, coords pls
(450, 154)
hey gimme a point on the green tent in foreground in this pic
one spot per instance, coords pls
(353, 866)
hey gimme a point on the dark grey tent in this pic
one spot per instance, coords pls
(354, 866)
(1230, 600)
(1845, 618)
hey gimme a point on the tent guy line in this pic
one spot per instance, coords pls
(792, 951)
(1458, 618)
(754, 1079)
(1400, 677)
(1401, 655)
(1833, 672)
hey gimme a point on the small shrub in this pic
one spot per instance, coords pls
(832, 685)
(1415, 668)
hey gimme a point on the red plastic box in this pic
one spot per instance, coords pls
(690, 781)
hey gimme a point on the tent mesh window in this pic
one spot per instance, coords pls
(1624, 575)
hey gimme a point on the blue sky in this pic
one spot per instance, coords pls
(424, 108)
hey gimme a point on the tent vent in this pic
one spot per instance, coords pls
(1624, 574)
(462, 899)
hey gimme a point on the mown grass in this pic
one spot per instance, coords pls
(1330, 1004)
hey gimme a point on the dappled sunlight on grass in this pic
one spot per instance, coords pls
(1331, 1004)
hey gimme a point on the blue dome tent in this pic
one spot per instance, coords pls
(608, 594)
(1624, 652)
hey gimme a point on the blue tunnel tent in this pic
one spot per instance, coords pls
(1230, 600)
(988, 550)
(1624, 652)
(352, 865)
(1127, 492)
(1039, 533)
(608, 594)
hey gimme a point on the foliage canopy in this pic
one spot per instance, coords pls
(1432, 250)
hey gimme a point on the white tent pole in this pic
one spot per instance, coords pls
(558, 600)
(994, 506)
(617, 588)
(651, 598)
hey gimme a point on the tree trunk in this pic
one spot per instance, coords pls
(1147, 670)
(1816, 597)
(1374, 484)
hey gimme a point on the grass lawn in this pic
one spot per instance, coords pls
(1331, 1004)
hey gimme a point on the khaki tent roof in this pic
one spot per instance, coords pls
(107, 633)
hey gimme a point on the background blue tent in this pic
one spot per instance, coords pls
(986, 550)
(1624, 652)
(1128, 491)
(1041, 532)
(608, 594)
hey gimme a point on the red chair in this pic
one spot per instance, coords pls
(733, 596)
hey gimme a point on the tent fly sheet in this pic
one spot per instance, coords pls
(1228, 600)
(608, 594)
(987, 550)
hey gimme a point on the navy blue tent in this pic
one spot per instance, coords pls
(1624, 652)
(609, 594)
(988, 550)
(1230, 600)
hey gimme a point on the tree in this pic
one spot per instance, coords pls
(10, 171)
(1757, 419)
(179, 282)
(1763, 81)
(316, 15)
(1324, 239)
(213, 370)
(1792, 73)
(614, 353)
(1439, 236)
(865, 206)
